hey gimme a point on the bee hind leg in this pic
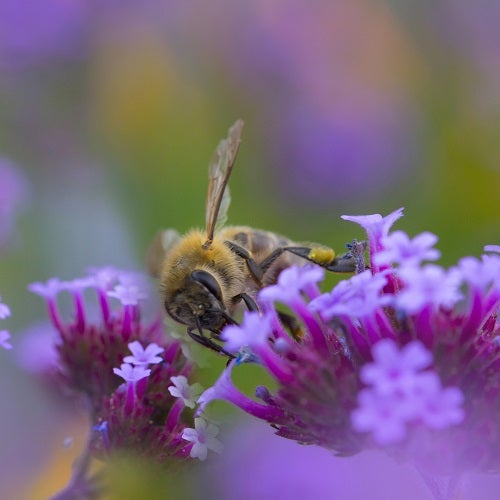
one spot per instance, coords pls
(324, 257)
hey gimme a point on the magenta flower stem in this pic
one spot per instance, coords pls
(274, 363)
(356, 340)
(80, 311)
(423, 323)
(130, 398)
(311, 323)
(54, 314)
(128, 314)
(104, 303)
(174, 415)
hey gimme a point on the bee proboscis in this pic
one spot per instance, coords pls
(205, 274)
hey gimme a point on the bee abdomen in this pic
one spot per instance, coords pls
(259, 243)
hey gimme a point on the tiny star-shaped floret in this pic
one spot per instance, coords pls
(399, 249)
(4, 310)
(49, 289)
(182, 390)
(393, 367)
(357, 296)
(144, 357)
(4, 339)
(254, 331)
(428, 285)
(203, 439)
(375, 225)
(291, 282)
(131, 373)
(128, 295)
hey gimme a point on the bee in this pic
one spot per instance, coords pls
(205, 274)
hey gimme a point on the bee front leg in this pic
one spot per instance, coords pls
(206, 342)
(249, 301)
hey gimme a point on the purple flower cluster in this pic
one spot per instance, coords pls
(124, 364)
(404, 356)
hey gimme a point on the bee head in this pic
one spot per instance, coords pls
(199, 303)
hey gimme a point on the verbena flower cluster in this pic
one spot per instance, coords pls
(135, 378)
(404, 355)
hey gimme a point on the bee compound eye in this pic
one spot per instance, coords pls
(208, 281)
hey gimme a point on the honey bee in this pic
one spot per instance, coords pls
(205, 274)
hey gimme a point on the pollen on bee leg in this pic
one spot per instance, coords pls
(321, 255)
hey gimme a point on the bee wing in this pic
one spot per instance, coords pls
(218, 197)
(163, 241)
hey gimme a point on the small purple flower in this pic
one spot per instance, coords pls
(399, 249)
(4, 310)
(492, 248)
(376, 226)
(4, 339)
(141, 356)
(203, 439)
(49, 289)
(187, 393)
(440, 408)
(480, 274)
(291, 283)
(358, 296)
(128, 295)
(104, 277)
(379, 415)
(254, 332)
(430, 285)
(391, 367)
(131, 373)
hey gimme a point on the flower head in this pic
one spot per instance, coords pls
(404, 356)
(96, 357)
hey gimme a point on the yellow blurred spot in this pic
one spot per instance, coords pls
(56, 473)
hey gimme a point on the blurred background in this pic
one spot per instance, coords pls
(111, 110)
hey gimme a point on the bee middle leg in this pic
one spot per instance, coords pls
(254, 269)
